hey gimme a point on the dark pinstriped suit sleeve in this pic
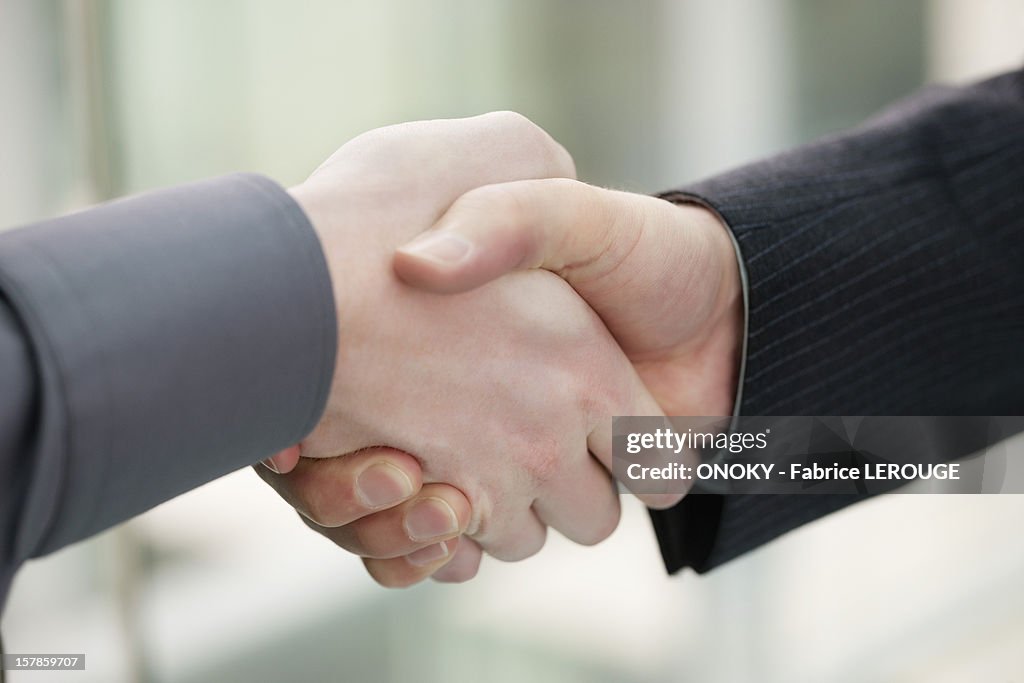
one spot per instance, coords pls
(148, 346)
(885, 273)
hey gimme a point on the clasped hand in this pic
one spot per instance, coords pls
(493, 315)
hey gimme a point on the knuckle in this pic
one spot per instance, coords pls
(321, 504)
(601, 531)
(498, 201)
(543, 463)
(538, 142)
(562, 162)
(511, 216)
(368, 544)
(529, 547)
(514, 121)
(388, 575)
(513, 548)
(540, 457)
(505, 210)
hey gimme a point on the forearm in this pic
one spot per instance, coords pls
(154, 344)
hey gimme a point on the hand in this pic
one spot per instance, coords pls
(374, 504)
(503, 392)
(663, 277)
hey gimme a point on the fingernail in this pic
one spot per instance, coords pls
(444, 247)
(431, 518)
(428, 555)
(269, 464)
(382, 484)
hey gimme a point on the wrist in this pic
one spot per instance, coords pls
(721, 352)
(313, 207)
(321, 209)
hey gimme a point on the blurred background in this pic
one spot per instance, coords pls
(99, 98)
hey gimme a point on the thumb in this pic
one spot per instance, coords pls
(620, 251)
(495, 229)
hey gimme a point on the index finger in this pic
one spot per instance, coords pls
(336, 491)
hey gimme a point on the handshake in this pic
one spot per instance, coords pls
(493, 315)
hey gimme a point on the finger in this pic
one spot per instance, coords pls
(555, 224)
(463, 565)
(614, 248)
(494, 229)
(337, 491)
(284, 461)
(401, 572)
(658, 493)
(440, 512)
(584, 507)
(512, 536)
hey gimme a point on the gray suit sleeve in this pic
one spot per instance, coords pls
(150, 345)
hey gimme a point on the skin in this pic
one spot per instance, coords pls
(502, 393)
(664, 279)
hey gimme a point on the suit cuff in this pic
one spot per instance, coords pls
(687, 532)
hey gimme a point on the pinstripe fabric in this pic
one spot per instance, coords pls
(886, 277)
